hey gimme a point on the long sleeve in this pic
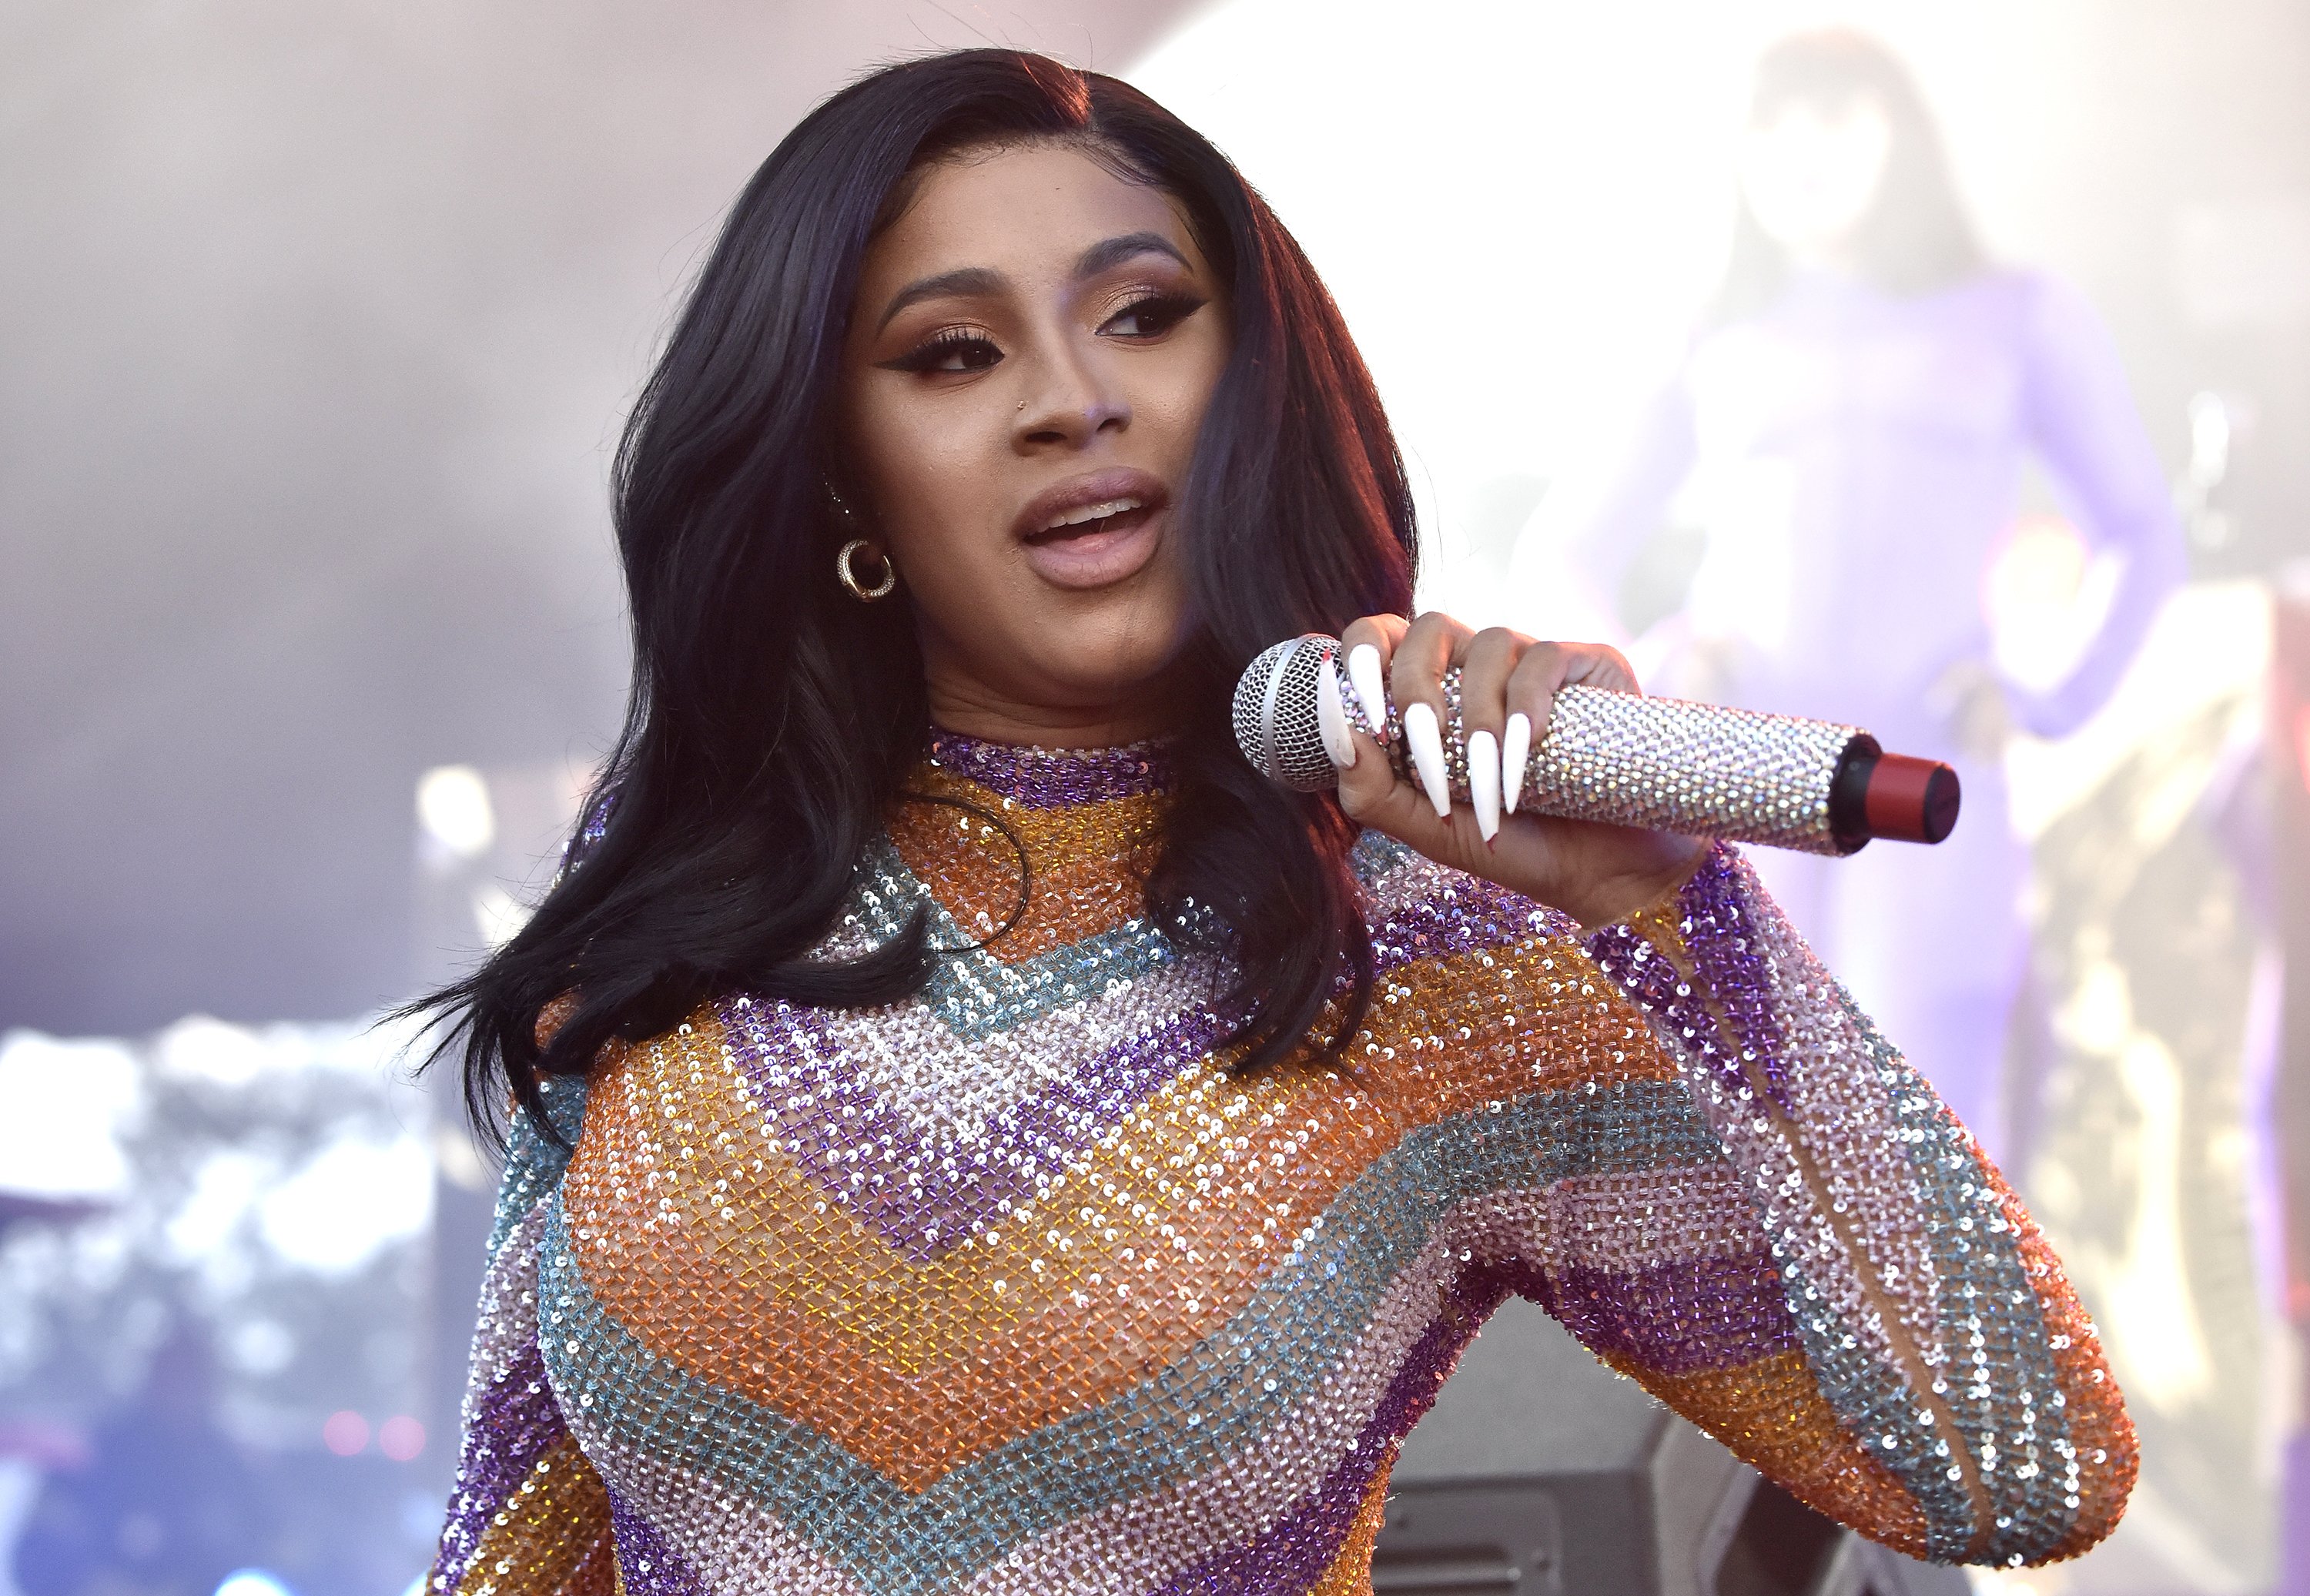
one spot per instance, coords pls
(529, 1517)
(2083, 424)
(1849, 1297)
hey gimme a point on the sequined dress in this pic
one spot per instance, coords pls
(1014, 1287)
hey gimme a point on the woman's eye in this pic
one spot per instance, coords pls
(1153, 317)
(957, 349)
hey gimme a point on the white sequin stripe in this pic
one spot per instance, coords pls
(1418, 882)
(910, 1056)
(1849, 1122)
(1679, 1214)
(507, 1326)
(1794, 1218)
(736, 1547)
(1108, 1551)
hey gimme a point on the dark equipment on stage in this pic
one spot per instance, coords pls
(1540, 1473)
(1663, 764)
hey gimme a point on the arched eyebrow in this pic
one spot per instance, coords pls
(978, 281)
(964, 282)
(1113, 252)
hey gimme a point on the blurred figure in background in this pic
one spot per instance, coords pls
(1848, 430)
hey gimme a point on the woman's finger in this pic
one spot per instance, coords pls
(1429, 647)
(1530, 698)
(1593, 664)
(1368, 783)
(1368, 644)
(1485, 663)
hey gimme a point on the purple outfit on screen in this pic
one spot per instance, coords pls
(1854, 456)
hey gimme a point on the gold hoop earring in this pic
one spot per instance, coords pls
(849, 578)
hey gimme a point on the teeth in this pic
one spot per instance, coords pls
(1092, 512)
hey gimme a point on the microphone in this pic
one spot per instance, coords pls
(1661, 764)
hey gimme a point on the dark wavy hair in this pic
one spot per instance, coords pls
(1916, 236)
(773, 719)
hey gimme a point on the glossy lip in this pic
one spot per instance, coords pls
(1121, 548)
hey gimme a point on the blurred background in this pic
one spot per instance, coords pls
(319, 323)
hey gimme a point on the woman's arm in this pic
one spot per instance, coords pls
(1802, 1250)
(529, 1517)
(2083, 424)
(1936, 1384)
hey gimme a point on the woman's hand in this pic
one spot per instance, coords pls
(1595, 873)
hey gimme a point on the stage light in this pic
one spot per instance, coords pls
(253, 1582)
(344, 1433)
(401, 1437)
(453, 805)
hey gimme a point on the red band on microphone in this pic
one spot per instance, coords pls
(1910, 800)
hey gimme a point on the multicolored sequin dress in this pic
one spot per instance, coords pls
(1015, 1288)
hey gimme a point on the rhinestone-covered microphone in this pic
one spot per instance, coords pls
(1662, 764)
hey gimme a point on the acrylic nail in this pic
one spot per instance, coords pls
(1331, 718)
(1426, 742)
(1484, 781)
(1371, 689)
(1516, 752)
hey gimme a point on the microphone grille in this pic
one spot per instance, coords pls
(1276, 718)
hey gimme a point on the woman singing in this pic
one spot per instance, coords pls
(972, 1133)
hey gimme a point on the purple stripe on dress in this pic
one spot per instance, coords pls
(1676, 1014)
(1054, 777)
(1479, 914)
(516, 1422)
(922, 1197)
(647, 1565)
(1675, 1318)
(1299, 1549)
(1720, 928)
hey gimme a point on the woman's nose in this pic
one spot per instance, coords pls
(1076, 399)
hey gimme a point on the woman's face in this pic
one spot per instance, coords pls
(1811, 173)
(1030, 353)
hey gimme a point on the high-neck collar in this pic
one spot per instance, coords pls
(1055, 778)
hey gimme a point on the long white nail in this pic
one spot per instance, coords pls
(1371, 691)
(1331, 718)
(1484, 781)
(1427, 745)
(1516, 752)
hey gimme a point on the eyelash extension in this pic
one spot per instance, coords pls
(1171, 308)
(926, 355)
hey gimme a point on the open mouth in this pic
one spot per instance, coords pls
(1092, 520)
(1094, 529)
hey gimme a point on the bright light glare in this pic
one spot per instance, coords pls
(353, 1199)
(253, 1582)
(453, 805)
(67, 1103)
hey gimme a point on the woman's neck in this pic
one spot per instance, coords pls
(962, 703)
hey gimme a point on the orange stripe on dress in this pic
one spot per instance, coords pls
(1772, 1414)
(1087, 862)
(752, 1288)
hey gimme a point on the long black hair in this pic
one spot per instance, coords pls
(1916, 236)
(773, 718)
